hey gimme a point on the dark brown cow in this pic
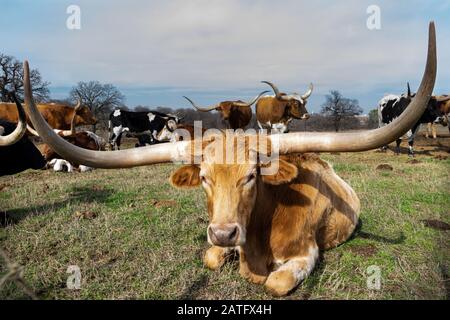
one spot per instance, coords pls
(237, 113)
(58, 116)
(276, 112)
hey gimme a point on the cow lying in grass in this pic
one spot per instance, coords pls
(278, 220)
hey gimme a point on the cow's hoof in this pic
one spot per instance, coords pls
(280, 283)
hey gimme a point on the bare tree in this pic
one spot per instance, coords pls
(373, 118)
(100, 98)
(11, 79)
(339, 108)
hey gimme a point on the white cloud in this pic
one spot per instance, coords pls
(211, 44)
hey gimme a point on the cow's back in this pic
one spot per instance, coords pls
(8, 112)
(270, 109)
(56, 115)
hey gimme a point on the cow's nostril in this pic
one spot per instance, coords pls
(233, 234)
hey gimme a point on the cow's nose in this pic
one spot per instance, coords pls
(224, 235)
(305, 116)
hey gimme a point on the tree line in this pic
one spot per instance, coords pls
(337, 112)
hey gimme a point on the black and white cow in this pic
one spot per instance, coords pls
(149, 127)
(19, 156)
(392, 106)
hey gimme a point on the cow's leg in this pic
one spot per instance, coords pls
(118, 141)
(257, 273)
(115, 135)
(215, 257)
(433, 130)
(414, 131)
(397, 146)
(292, 272)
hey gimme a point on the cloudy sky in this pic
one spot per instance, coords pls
(156, 51)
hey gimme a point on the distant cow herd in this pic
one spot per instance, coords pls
(277, 222)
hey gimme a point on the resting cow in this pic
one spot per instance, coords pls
(278, 220)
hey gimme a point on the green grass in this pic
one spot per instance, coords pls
(147, 239)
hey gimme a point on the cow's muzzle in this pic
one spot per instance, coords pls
(305, 116)
(224, 235)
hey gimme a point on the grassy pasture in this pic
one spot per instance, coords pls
(133, 236)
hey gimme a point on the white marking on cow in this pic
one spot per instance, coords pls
(61, 165)
(151, 116)
(165, 135)
(84, 168)
(279, 127)
(301, 267)
(382, 103)
(116, 113)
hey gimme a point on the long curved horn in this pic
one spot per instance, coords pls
(200, 108)
(159, 153)
(274, 88)
(248, 104)
(308, 93)
(19, 131)
(370, 139)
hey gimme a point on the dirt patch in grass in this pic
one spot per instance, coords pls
(85, 214)
(385, 166)
(164, 203)
(436, 224)
(364, 250)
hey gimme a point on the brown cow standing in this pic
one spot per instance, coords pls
(276, 112)
(58, 116)
(237, 113)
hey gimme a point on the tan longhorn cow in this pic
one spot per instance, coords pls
(277, 221)
(275, 112)
(237, 113)
(58, 116)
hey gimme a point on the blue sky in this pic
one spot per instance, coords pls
(211, 50)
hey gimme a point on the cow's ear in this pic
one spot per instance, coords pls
(285, 173)
(186, 177)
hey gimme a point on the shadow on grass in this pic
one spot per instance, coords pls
(366, 235)
(77, 196)
(195, 288)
